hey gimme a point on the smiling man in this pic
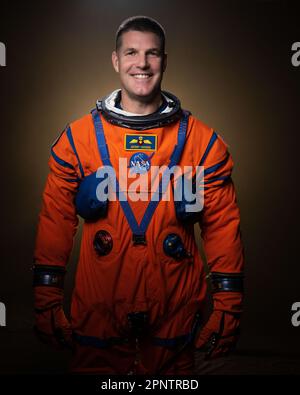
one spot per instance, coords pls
(140, 61)
(140, 282)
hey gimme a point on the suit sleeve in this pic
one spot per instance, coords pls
(220, 220)
(58, 221)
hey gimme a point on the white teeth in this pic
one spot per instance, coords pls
(141, 75)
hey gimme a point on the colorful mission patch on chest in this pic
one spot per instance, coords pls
(140, 142)
(140, 162)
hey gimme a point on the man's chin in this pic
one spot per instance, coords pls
(145, 96)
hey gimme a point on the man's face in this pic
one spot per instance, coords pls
(140, 64)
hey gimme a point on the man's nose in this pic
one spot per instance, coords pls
(142, 61)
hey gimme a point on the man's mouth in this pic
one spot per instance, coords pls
(141, 76)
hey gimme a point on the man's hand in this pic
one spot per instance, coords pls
(220, 334)
(51, 324)
(52, 327)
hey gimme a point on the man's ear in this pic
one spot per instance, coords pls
(165, 61)
(115, 61)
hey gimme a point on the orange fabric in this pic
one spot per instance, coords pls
(123, 359)
(137, 278)
(46, 297)
(226, 338)
(51, 324)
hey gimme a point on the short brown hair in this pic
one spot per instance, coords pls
(142, 24)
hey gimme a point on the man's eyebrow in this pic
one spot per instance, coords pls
(154, 49)
(148, 50)
(130, 49)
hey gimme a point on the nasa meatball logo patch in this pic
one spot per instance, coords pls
(140, 142)
(140, 163)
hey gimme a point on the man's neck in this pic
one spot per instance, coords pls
(140, 107)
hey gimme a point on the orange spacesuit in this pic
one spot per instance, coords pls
(135, 301)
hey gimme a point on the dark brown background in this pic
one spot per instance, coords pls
(230, 64)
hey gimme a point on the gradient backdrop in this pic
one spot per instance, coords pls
(230, 64)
